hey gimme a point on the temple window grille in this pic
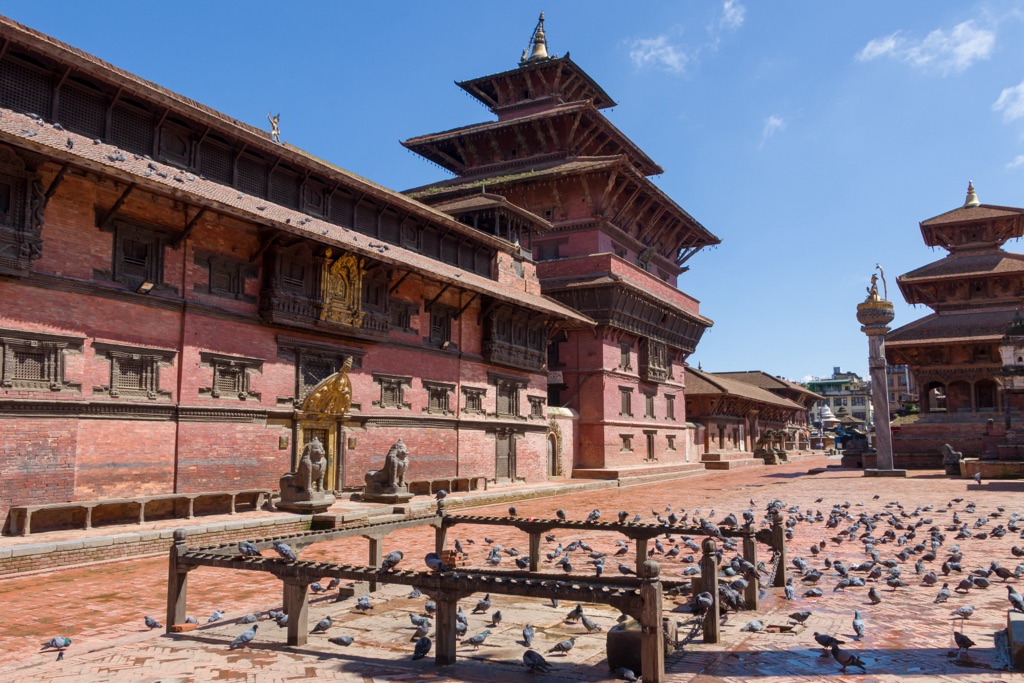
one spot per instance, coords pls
(438, 397)
(474, 399)
(392, 391)
(626, 402)
(34, 364)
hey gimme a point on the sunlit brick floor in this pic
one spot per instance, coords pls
(101, 607)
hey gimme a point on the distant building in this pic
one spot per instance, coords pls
(843, 390)
(901, 385)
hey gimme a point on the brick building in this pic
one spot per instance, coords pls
(174, 284)
(614, 251)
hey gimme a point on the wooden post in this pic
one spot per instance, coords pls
(177, 582)
(641, 554)
(440, 538)
(297, 607)
(779, 546)
(753, 590)
(535, 552)
(447, 639)
(376, 557)
(652, 637)
(709, 582)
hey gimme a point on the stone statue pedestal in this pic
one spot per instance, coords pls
(390, 495)
(320, 502)
(884, 473)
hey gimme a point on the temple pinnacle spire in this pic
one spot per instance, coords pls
(972, 198)
(537, 50)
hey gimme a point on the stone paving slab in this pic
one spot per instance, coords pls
(908, 637)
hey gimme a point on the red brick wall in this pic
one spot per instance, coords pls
(124, 458)
(37, 461)
(218, 456)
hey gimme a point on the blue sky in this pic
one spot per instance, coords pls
(811, 137)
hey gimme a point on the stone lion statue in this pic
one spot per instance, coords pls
(392, 475)
(308, 477)
(951, 459)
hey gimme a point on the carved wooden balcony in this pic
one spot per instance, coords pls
(503, 353)
(294, 310)
(652, 373)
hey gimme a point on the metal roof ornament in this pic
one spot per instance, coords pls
(275, 128)
(538, 45)
(972, 198)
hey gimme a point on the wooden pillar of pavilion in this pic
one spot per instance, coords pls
(709, 584)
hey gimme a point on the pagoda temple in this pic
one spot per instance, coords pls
(953, 353)
(610, 245)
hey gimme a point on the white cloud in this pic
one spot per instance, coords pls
(772, 125)
(946, 52)
(1011, 102)
(660, 53)
(1017, 162)
(733, 14)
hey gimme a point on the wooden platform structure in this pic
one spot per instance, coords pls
(640, 597)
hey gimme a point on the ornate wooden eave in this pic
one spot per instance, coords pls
(559, 77)
(629, 309)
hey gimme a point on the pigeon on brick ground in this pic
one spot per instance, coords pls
(528, 634)
(422, 648)
(477, 640)
(483, 605)
(323, 625)
(285, 551)
(846, 659)
(152, 623)
(344, 641)
(564, 647)
(244, 638)
(60, 642)
(534, 661)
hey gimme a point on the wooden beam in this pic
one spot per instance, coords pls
(393, 288)
(434, 300)
(117, 206)
(263, 247)
(190, 226)
(57, 180)
(468, 303)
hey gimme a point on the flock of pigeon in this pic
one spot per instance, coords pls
(902, 550)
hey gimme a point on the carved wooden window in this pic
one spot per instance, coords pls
(366, 219)
(34, 362)
(554, 351)
(341, 209)
(438, 397)
(251, 175)
(227, 277)
(175, 144)
(293, 275)
(230, 376)
(671, 438)
(555, 394)
(390, 229)
(313, 370)
(648, 405)
(134, 372)
(375, 291)
(402, 315)
(440, 325)
(284, 188)
(624, 356)
(24, 86)
(21, 213)
(474, 399)
(138, 255)
(392, 391)
(626, 401)
(314, 198)
(627, 442)
(670, 407)
(536, 407)
(131, 127)
(410, 237)
(507, 400)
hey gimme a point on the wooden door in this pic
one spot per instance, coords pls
(504, 456)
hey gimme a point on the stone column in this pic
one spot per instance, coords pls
(875, 314)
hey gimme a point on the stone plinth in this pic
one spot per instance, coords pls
(1015, 635)
(884, 473)
(314, 506)
(991, 469)
(392, 497)
(623, 643)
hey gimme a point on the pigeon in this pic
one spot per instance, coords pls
(963, 643)
(440, 495)
(755, 626)
(344, 641)
(560, 514)
(433, 562)
(191, 620)
(964, 612)
(625, 674)
(512, 512)
(943, 594)
(826, 641)
(534, 661)
(977, 477)
(282, 621)
(800, 617)
(589, 624)
(575, 613)
(703, 602)
(858, 625)
(152, 623)
(846, 659)
(564, 647)
(250, 618)
(60, 642)
(790, 592)
(623, 516)
(363, 603)
(594, 515)
(477, 640)
(418, 620)
(813, 593)
(1016, 599)
(874, 596)
(244, 638)
(323, 625)
(414, 593)
(285, 551)
(247, 549)
(391, 561)
(625, 570)
(496, 617)
(317, 588)
(528, 634)
(216, 616)
(483, 605)
(430, 607)
(422, 648)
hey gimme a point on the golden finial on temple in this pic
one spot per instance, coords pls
(537, 49)
(972, 197)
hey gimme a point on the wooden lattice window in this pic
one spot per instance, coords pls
(24, 87)
(440, 325)
(402, 314)
(134, 372)
(341, 209)
(131, 127)
(507, 395)
(138, 255)
(474, 400)
(670, 407)
(252, 175)
(230, 376)
(648, 405)
(284, 188)
(82, 109)
(313, 370)
(216, 161)
(33, 362)
(392, 391)
(438, 397)
(175, 144)
(624, 356)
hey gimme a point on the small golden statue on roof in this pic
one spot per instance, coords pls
(873, 289)
(275, 128)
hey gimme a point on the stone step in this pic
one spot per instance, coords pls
(734, 464)
(646, 470)
(646, 478)
(727, 455)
